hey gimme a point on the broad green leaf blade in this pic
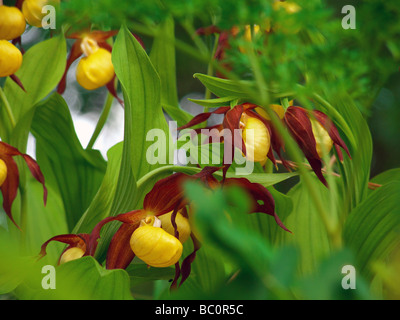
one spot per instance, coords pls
(42, 68)
(387, 176)
(162, 56)
(143, 111)
(81, 279)
(100, 207)
(44, 222)
(74, 172)
(308, 232)
(223, 88)
(207, 272)
(177, 114)
(266, 179)
(140, 273)
(214, 103)
(372, 229)
(13, 266)
(355, 171)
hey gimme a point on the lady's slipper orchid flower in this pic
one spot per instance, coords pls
(315, 134)
(167, 195)
(146, 233)
(9, 175)
(77, 246)
(258, 139)
(12, 23)
(95, 69)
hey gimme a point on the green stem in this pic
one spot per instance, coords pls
(210, 68)
(8, 108)
(102, 121)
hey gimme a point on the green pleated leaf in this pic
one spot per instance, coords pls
(223, 88)
(372, 229)
(266, 179)
(207, 272)
(74, 172)
(142, 95)
(177, 114)
(13, 266)
(162, 56)
(214, 103)
(81, 279)
(308, 232)
(44, 221)
(100, 207)
(42, 68)
(387, 176)
(355, 172)
(140, 273)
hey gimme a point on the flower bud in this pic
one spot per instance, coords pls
(32, 11)
(95, 70)
(182, 224)
(3, 172)
(12, 23)
(10, 58)
(71, 254)
(256, 138)
(323, 140)
(154, 245)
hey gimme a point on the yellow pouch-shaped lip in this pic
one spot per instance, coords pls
(10, 58)
(256, 138)
(95, 70)
(155, 246)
